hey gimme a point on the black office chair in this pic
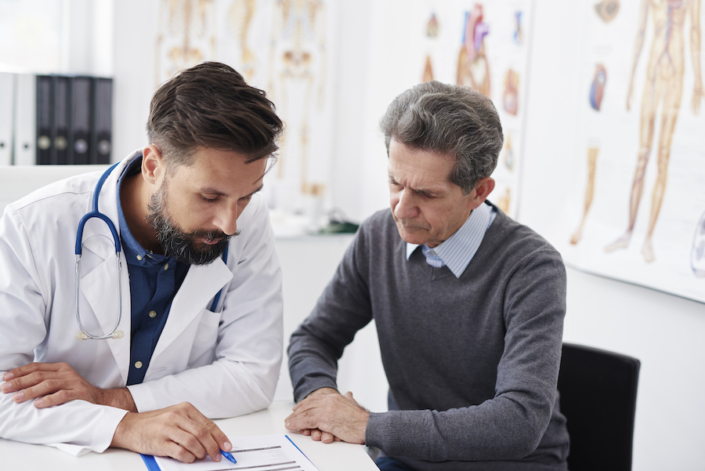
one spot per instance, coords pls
(598, 397)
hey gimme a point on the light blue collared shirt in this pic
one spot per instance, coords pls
(458, 250)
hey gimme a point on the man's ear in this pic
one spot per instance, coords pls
(153, 165)
(482, 190)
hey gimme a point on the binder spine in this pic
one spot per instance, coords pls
(60, 152)
(102, 120)
(44, 120)
(24, 150)
(7, 107)
(80, 122)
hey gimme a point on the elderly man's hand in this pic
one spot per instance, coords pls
(315, 434)
(334, 415)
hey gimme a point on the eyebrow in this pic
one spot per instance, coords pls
(425, 191)
(213, 191)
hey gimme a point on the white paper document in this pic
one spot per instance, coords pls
(259, 453)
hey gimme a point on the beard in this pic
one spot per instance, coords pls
(186, 247)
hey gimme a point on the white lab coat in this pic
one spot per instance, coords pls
(224, 363)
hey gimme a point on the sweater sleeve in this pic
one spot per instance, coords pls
(512, 423)
(342, 310)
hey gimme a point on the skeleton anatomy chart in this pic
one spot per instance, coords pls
(186, 36)
(485, 45)
(279, 46)
(639, 212)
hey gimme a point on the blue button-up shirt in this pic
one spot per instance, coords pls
(154, 281)
(458, 250)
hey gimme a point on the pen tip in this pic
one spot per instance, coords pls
(229, 457)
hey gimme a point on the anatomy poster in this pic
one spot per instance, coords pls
(282, 47)
(485, 45)
(638, 211)
(186, 36)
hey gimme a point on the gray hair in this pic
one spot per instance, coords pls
(448, 119)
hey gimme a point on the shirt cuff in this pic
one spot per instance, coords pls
(103, 437)
(143, 397)
(105, 433)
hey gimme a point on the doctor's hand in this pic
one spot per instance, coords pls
(58, 383)
(340, 416)
(180, 432)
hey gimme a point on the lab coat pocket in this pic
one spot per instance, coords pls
(203, 351)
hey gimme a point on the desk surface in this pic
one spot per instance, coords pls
(334, 457)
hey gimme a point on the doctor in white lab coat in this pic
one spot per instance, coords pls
(222, 362)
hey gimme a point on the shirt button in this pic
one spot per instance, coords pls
(166, 267)
(139, 257)
(152, 314)
(138, 365)
(433, 252)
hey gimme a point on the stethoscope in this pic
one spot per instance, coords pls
(95, 213)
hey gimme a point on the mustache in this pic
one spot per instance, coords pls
(210, 235)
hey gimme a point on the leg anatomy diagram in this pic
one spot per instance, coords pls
(664, 88)
(297, 46)
(240, 17)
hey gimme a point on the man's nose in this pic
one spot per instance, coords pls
(406, 207)
(227, 219)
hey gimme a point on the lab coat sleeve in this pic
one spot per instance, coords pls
(248, 355)
(76, 427)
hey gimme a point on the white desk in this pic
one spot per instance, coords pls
(334, 457)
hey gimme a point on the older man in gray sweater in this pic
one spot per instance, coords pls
(468, 305)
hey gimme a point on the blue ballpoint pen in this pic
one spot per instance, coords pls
(228, 456)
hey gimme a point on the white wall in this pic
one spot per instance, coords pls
(308, 264)
(133, 63)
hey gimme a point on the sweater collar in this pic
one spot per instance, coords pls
(459, 249)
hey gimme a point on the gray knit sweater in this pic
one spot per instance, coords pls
(472, 362)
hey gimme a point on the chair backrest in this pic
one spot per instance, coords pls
(598, 397)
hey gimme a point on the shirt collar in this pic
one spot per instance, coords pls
(458, 250)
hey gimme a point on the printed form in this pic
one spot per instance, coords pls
(259, 453)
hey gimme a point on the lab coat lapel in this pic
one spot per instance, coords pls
(99, 287)
(200, 286)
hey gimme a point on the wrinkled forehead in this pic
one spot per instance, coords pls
(413, 166)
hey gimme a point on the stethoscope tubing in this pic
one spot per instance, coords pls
(95, 213)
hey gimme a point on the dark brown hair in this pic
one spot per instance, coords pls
(211, 106)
